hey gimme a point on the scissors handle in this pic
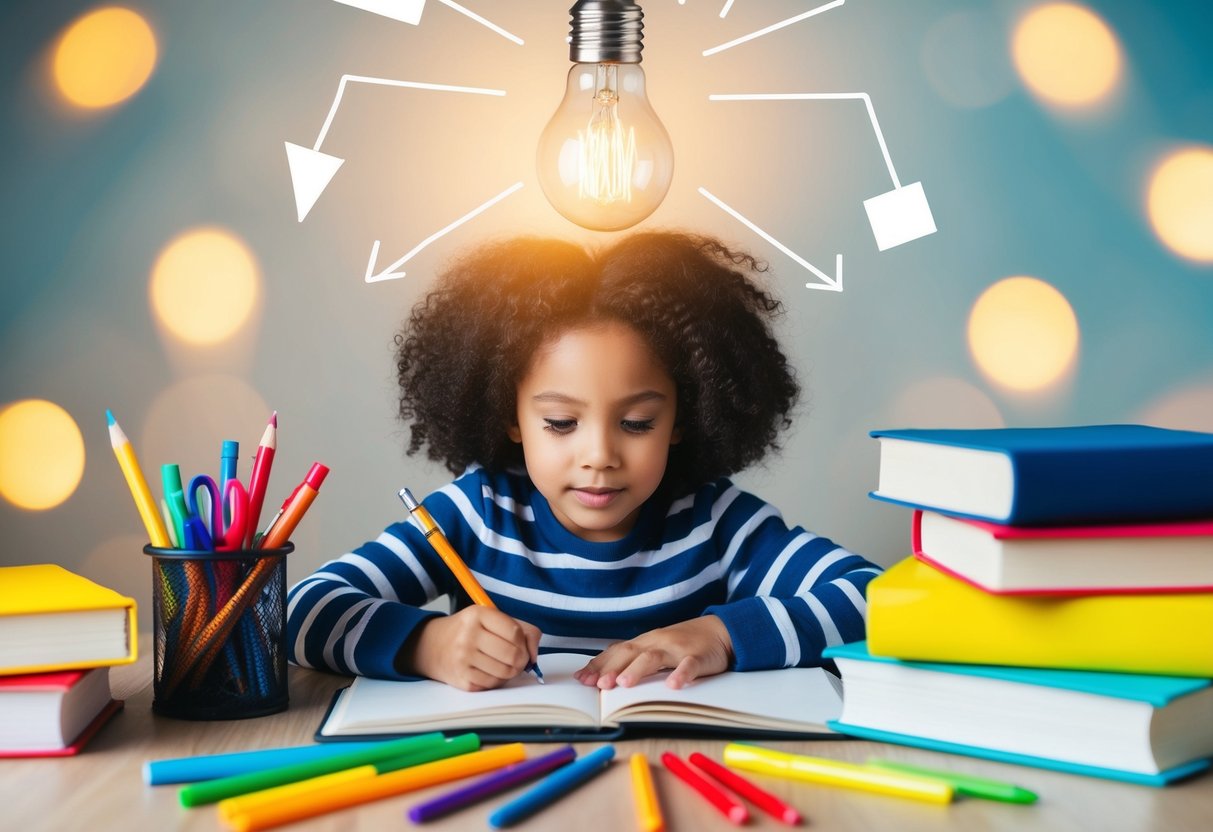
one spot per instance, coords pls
(235, 495)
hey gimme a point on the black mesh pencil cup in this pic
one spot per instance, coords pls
(219, 627)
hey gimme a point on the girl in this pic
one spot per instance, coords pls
(595, 403)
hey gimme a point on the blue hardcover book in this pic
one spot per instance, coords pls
(1143, 729)
(1050, 476)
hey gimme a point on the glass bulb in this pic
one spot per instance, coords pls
(605, 160)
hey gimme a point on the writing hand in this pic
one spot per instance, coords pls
(477, 648)
(695, 648)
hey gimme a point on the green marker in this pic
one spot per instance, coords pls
(963, 783)
(212, 791)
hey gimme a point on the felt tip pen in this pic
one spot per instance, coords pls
(435, 537)
(965, 784)
(297, 504)
(553, 787)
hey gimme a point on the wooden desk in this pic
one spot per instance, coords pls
(103, 788)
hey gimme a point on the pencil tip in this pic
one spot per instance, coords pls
(274, 419)
(109, 417)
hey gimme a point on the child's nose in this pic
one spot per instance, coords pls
(599, 449)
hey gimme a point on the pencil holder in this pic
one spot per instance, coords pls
(219, 627)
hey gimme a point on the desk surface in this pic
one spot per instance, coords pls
(103, 788)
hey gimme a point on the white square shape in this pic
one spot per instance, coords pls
(900, 216)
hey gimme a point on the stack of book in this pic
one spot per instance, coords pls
(1058, 609)
(59, 634)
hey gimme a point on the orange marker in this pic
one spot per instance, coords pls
(648, 810)
(296, 507)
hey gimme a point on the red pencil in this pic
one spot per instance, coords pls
(725, 803)
(764, 800)
(260, 477)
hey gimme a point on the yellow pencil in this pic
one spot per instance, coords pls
(835, 773)
(343, 795)
(648, 810)
(144, 501)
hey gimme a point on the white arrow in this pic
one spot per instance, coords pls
(409, 11)
(311, 170)
(390, 272)
(772, 28)
(829, 284)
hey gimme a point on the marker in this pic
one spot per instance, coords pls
(553, 787)
(149, 512)
(508, 777)
(260, 477)
(214, 766)
(296, 506)
(170, 478)
(648, 810)
(965, 784)
(344, 795)
(724, 803)
(834, 773)
(435, 537)
(761, 798)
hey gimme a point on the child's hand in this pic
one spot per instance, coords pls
(695, 648)
(477, 648)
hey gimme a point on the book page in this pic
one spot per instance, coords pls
(791, 699)
(379, 706)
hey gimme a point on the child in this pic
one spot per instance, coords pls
(595, 403)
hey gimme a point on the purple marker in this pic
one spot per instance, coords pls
(488, 786)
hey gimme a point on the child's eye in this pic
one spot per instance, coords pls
(560, 425)
(637, 425)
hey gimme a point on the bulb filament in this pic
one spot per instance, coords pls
(608, 149)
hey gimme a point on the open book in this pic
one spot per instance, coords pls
(788, 703)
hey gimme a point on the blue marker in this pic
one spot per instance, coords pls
(214, 766)
(553, 787)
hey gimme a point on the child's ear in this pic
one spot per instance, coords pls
(676, 435)
(514, 432)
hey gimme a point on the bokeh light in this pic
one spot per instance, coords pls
(104, 57)
(204, 285)
(41, 454)
(1023, 334)
(943, 402)
(1188, 408)
(1179, 202)
(1066, 54)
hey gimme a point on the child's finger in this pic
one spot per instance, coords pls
(646, 663)
(687, 671)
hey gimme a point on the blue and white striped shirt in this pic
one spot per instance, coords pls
(784, 594)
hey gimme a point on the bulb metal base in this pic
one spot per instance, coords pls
(606, 31)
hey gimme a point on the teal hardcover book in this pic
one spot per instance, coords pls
(1143, 729)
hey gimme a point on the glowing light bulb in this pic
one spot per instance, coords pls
(605, 160)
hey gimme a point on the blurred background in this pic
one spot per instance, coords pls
(154, 262)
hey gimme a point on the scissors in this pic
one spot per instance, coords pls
(222, 537)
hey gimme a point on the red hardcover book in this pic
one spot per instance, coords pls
(1068, 560)
(53, 714)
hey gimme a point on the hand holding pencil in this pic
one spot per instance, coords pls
(478, 646)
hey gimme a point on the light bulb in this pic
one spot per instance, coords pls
(605, 160)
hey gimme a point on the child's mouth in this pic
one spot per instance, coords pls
(596, 497)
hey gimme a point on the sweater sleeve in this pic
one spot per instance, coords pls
(790, 593)
(355, 613)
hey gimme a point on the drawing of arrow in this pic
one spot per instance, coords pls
(409, 11)
(829, 284)
(311, 170)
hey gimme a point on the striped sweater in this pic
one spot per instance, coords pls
(783, 594)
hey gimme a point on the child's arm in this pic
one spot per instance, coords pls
(361, 613)
(789, 594)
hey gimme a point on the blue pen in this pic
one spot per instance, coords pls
(229, 458)
(553, 787)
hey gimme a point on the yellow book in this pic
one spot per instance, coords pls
(918, 613)
(53, 619)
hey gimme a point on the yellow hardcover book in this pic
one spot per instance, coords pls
(54, 619)
(918, 613)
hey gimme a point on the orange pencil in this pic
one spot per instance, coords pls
(343, 795)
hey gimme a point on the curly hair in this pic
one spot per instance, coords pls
(469, 342)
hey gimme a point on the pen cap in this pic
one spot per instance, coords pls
(316, 475)
(231, 449)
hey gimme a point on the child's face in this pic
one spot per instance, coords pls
(596, 420)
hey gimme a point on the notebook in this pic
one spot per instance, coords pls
(792, 703)
(53, 619)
